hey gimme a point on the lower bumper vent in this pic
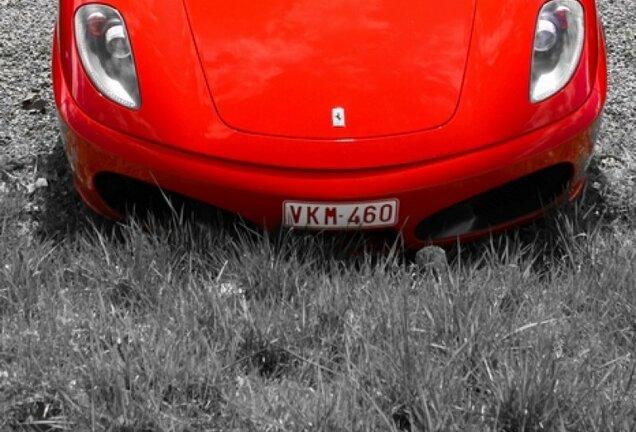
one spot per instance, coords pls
(514, 200)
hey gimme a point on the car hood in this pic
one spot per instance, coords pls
(284, 68)
(178, 113)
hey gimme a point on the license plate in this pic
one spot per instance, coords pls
(355, 215)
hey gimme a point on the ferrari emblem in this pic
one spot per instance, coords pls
(338, 118)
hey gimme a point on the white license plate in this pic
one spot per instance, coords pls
(355, 215)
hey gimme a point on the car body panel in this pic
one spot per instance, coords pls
(178, 140)
(279, 67)
(177, 108)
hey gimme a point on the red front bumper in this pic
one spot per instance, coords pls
(257, 193)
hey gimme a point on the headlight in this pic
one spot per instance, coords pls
(104, 47)
(558, 44)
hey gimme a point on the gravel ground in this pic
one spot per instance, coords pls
(617, 144)
(32, 163)
(27, 114)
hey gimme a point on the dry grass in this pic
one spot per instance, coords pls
(175, 326)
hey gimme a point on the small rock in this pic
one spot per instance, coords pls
(41, 183)
(432, 259)
(34, 104)
(431, 255)
(29, 100)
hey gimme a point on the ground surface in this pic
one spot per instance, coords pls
(173, 327)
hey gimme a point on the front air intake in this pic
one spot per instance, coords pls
(507, 203)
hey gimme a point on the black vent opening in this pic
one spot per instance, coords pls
(129, 196)
(514, 200)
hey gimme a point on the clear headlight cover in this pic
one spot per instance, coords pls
(104, 47)
(558, 44)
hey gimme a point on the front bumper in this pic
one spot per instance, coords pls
(257, 192)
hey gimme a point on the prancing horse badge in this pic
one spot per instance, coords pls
(338, 118)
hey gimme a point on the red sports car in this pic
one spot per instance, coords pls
(439, 120)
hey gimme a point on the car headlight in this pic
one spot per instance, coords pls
(558, 44)
(106, 53)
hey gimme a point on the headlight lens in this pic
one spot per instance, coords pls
(104, 47)
(558, 44)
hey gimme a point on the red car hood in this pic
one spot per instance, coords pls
(395, 69)
(280, 67)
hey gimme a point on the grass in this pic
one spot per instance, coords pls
(175, 326)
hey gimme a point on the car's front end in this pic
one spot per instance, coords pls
(438, 122)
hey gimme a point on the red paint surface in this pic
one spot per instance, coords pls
(279, 67)
(218, 124)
